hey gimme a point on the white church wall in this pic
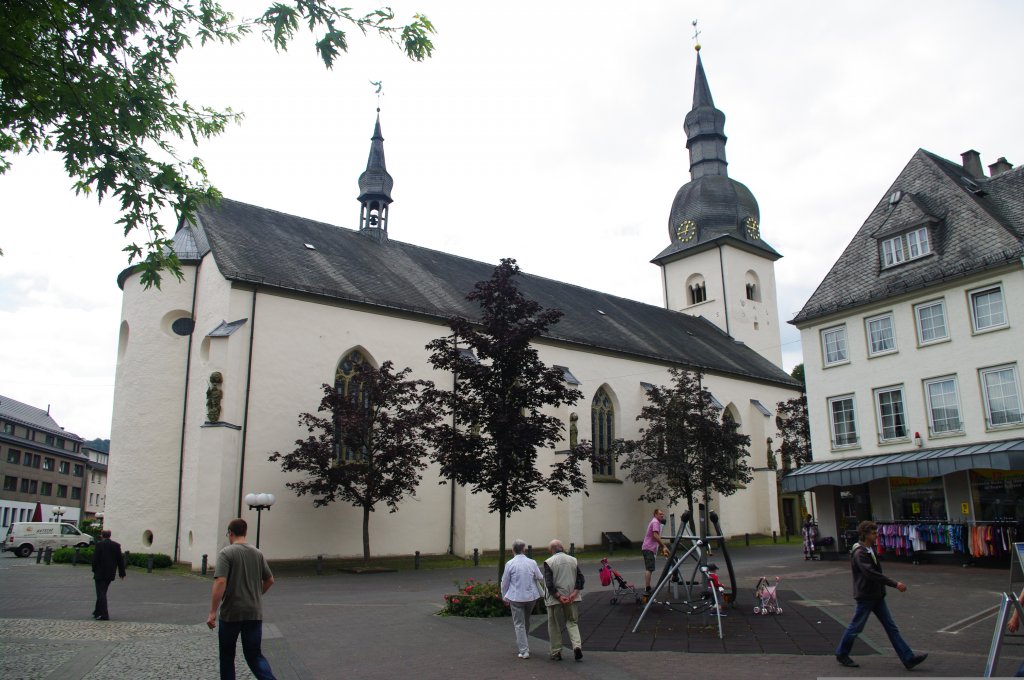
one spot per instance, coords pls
(146, 426)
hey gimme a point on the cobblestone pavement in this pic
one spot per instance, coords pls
(384, 626)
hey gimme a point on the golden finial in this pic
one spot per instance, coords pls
(696, 36)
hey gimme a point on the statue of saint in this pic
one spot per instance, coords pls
(213, 396)
(574, 430)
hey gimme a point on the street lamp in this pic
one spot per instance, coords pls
(58, 513)
(259, 502)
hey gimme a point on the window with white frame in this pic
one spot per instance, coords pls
(943, 405)
(843, 414)
(833, 345)
(892, 421)
(881, 335)
(1001, 390)
(931, 322)
(908, 246)
(987, 310)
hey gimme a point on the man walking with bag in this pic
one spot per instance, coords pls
(869, 585)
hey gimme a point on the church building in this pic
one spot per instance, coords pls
(272, 306)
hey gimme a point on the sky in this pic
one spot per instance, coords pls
(548, 132)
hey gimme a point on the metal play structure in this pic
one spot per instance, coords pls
(688, 583)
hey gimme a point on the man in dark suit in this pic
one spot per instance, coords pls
(107, 560)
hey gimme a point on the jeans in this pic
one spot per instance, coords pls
(860, 619)
(521, 623)
(252, 637)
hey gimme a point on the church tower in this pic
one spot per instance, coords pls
(717, 265)
(375, 190)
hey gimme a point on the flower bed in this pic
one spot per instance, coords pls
(475, 598)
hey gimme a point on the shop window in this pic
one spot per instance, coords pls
(854, 506)
(916, 498)
(833, 343)
(931, 322)
(943, 406)
(1002, 396)
(998, 494)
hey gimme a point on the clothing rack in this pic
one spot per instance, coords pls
(974, 538)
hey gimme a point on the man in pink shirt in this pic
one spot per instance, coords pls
(652, 542)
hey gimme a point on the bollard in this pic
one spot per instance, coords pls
(149, 565)
(529, 551)
(416, 560)
(572, 549)
(39, 556)
(611, 546)
(319, 565)
(787, 534)
(74, 558)
(746, 539)
(49, 555)
(476, 557)
(774, 537)
(204, 565)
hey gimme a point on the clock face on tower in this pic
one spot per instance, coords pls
(752, 229)
(686, 230)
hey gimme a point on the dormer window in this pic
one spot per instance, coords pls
(905, 247)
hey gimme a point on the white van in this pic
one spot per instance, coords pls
(25, 537)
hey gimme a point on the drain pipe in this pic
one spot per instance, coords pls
(245, 414)
(184, 414)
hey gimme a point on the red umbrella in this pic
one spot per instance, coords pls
(37, 516)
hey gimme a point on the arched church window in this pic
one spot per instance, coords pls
(751, 291)
(698, 293)
(602, 424)
(753, 286)
(346, 382)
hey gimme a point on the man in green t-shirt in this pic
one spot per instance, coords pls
(241, 577)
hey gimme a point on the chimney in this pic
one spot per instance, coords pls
(972, 163)
(1000, 166)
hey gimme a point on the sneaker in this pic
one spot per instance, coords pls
(847, 661)
(915, 661)
(524, 656)
(578, 654)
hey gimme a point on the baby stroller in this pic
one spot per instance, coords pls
(768, 596)
(609, 577)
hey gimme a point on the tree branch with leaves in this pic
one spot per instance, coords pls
(93, 81)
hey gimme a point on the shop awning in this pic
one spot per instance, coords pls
(1004, 455)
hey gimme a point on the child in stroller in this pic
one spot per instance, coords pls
(610, 576)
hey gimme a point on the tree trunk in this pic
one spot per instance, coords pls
(501, 544)
(366, 535)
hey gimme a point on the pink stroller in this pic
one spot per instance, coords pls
(768, 597)
(609, 576)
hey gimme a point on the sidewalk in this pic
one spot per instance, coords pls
(384, 626)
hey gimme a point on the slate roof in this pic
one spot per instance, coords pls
(16, 411)
(976, 224)
(256, 245)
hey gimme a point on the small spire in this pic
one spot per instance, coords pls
(705, 129)
(375, 187)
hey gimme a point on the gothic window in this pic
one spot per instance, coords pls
(602, 424)
(349, 388)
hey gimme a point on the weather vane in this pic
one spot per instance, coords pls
(379, 84)
(696, 35)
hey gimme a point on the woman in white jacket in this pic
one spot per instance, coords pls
(521, 585)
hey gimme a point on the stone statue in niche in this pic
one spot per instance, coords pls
(213, 396)
(773, 463)
(574, 430)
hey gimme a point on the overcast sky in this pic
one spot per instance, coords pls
(548, 132)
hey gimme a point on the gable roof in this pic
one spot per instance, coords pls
(272, 249)
(976, 224)
(37, 418)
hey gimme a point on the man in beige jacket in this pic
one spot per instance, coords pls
(564, 581)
